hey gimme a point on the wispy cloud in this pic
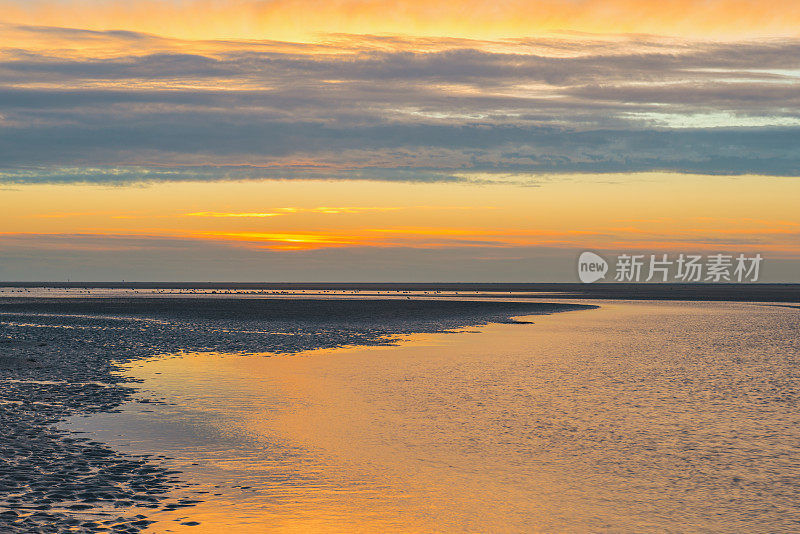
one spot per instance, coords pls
(285, 211)
(234, 215)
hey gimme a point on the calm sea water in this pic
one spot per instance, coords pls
(634, 417)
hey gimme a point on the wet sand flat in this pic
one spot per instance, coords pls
(59, 358)
(635, 417)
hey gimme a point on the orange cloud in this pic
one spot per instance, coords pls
(285, 241)
(222, 214)
(325, 210)
(303, 19)
(773, 239)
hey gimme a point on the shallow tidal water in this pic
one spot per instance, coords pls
(634, 417)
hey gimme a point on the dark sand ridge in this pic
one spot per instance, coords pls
(760, 292)
(58, 357)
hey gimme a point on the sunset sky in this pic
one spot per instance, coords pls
(296, 140)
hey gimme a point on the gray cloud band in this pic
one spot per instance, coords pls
(350, 109)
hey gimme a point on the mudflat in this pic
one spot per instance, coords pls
(59, 357)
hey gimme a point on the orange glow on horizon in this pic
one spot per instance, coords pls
(579, 212)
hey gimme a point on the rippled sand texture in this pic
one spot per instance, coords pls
(635, 417)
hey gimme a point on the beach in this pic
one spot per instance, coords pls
(347, 413)
(60, 356)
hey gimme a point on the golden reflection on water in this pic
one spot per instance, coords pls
(632, 417)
